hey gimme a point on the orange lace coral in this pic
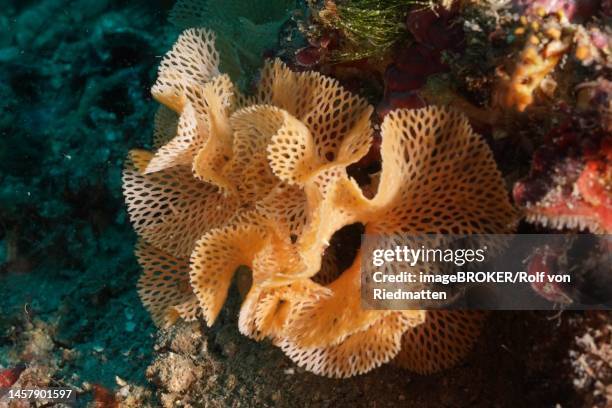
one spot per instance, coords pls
(262, 182)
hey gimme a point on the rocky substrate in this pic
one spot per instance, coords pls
(521, 359)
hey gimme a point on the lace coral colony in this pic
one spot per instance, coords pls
(262, 181)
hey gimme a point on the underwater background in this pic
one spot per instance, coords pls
(75, 79)
(75, 96)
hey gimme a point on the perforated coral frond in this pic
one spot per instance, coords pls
(182, 147)
(169, 90)
(292, 151)
(171, 209)
(253, 128)
(205, 113)
(269, 307)
(444, 339)
(192, 60)
(358, 353)
(164, 286)
(278, 262)
(248, 241)
(324, 123)
(340, 125)
(287, 206)
(279, 86)
(164, 126)
(210, 160)
(308, 96)
(216, 257)
(322, 322)
(139, 159)
(438, 177)
(273, 312)
(324, 216)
